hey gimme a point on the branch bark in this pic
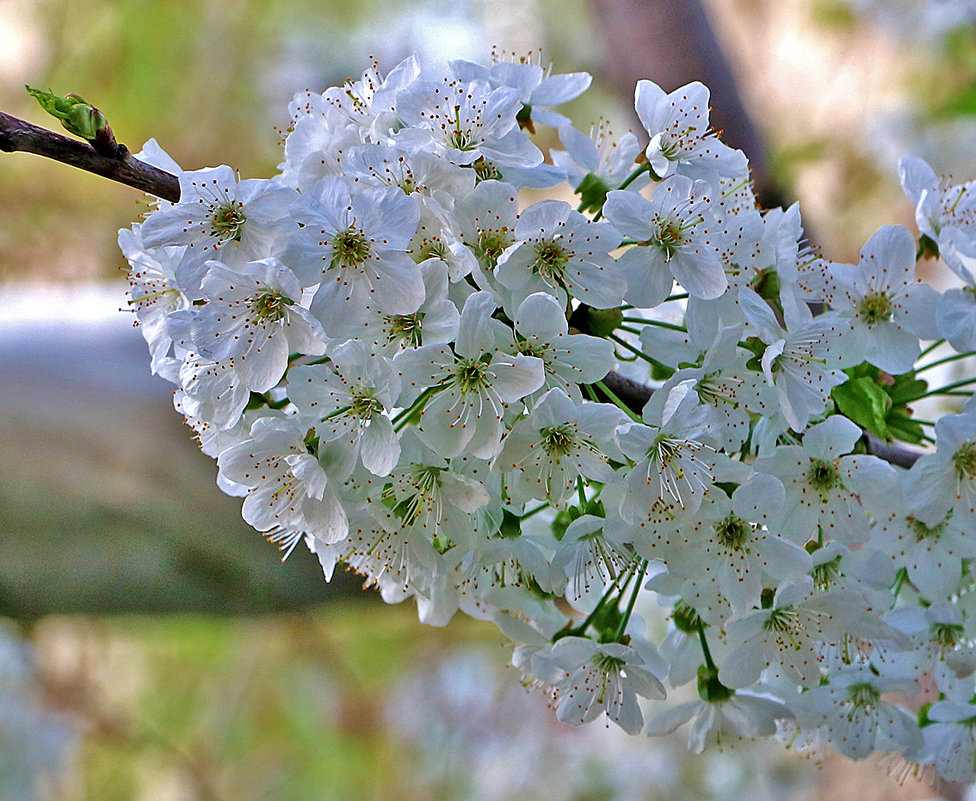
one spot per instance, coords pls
(19, 135)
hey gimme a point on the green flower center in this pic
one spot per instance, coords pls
(609, 664)
(491, 245)
(433, 249)
(485, 170)
(364, 405)
(550, 260)
(470, 375)
(863, 695)
(964, 460)
(558, 441)
(669, 237)
(946, 635)
(733, 532)
(406, 328)
(923, 531)
(782, 621)
(823, 476)
(824, 575)
(228, 221)
(875, 307)
(271, 306)
(350, 248)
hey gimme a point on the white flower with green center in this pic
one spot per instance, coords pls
(600, 678)
(889, 310)
(560, 252)
(465, 123)
(219, 218)
(852, 716)
(486, 218)
(349, 399)
(287, 489)
(549, 451)
(800, 361)
(681, 140)
(673, 454)
(354, 247)
(931, 553)
(538, 88)
(789, 636)
(825, 489)
(471, 386)
(724, 383)
(676, 241)
(945, 481)
(726, 552)
(252, 316)
(434, 323)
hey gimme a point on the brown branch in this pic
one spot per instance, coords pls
(19, 135)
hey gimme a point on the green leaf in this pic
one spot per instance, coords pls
(864, 402)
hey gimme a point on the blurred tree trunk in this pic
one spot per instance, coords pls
(671, 43)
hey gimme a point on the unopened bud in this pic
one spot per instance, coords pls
(80, 118)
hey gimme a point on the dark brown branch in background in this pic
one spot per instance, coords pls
(20, 135)
(672, 43)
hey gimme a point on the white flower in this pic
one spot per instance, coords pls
(852, 716)
(674, 233)
(542, 331)
(601, 678)
(741, 715)
(672, 453)
(219, 218)
(561, 252)
(824, 488)
(547, 452)
(799, 361)
(680, 137)
(472, 385)
(252, 317)
(355, 247)
(287, 488)
(889, 309)
(351, 397)
(466, 122)
(946, 480)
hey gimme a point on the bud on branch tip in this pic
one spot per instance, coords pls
(82, 119)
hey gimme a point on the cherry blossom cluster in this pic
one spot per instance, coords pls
(639, 424)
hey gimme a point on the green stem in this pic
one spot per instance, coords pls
(401, 419)
(709, 662)
(658, 323)
(622, 626)
(533, 512)
(636, 351)
(931, 347)
(946, 388)
(617, 402)
(954, 357)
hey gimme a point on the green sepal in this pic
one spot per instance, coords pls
(603, 322)
(710, 689)
(592, 191)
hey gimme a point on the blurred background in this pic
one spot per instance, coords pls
(152, 646)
